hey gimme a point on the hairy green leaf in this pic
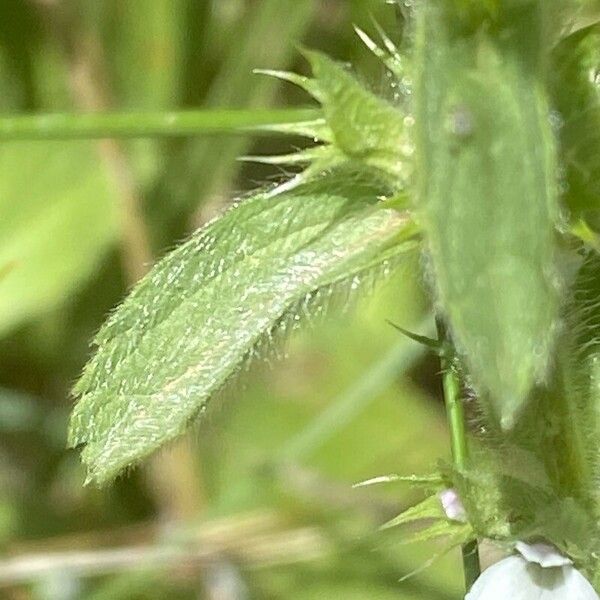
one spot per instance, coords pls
(58, 217)
(204, 309)
(488, 197)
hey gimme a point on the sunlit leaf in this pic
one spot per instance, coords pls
(58, 217)
(203, 310)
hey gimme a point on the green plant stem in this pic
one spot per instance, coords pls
(145, 124)
(458, 442)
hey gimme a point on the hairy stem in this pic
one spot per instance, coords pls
(458, 442)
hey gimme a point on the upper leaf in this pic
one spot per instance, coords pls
(487, 191)
(203, 310)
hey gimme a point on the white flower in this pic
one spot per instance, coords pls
(538, 572)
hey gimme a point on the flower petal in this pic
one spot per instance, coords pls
(578, 587)
(544, 555)
(515, 578)
(500, 581)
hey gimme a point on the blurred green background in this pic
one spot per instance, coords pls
(257, 502)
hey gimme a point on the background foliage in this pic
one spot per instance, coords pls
(257, 502)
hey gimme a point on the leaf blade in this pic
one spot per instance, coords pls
(234, 282)
(489, 199)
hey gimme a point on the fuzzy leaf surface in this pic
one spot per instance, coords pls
(358, 125)
(488, 197)
(364, 126)
(205, 308)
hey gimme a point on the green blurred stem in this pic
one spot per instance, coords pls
(145, 124)
(458, 441)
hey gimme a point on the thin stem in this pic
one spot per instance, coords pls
(145, 124)
(458, 442)
(455, 414)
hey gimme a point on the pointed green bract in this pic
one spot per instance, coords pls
(428, 509)
(358, 125)
(485, 158)
(205, 308)
(364, 126)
